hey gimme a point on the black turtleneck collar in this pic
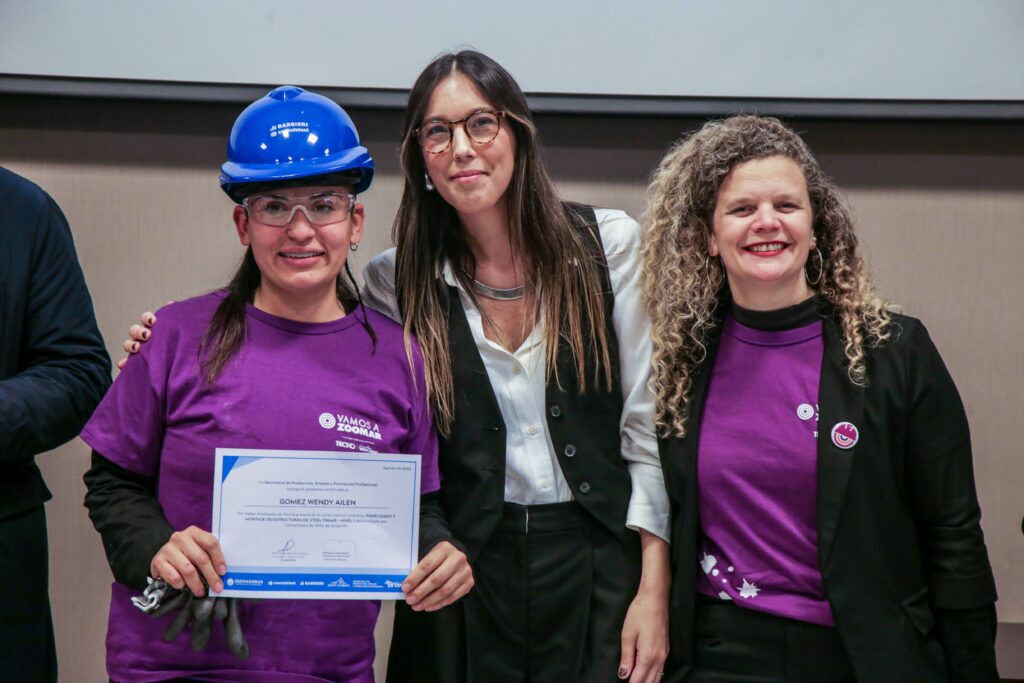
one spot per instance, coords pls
(791, 317)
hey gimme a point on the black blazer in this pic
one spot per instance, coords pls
(54, 367)
(900, 549)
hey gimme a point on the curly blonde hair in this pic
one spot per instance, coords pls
(686, 290)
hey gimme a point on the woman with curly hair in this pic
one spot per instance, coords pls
(825, 525)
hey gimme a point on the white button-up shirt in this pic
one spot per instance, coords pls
(532, 473)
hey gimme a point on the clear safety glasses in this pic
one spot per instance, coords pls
(320, 209)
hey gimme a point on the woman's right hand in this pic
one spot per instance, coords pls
(439, 579)
(189, 557)
(139, 335)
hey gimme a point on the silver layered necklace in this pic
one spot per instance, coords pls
(486, 291)
(510, 294)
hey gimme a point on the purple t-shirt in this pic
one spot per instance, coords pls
(162, 420)
(757, 473)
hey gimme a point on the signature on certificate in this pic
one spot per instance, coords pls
(338, 550)
(289, 553)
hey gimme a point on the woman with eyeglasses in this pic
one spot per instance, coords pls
(536, 348)
(825, 525)
(536, 351)
(255, 365)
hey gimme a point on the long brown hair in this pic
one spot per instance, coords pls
(226, 330)
(686, 290)
(544, 236)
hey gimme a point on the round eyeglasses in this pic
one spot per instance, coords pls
(278, 210)
(481, 127)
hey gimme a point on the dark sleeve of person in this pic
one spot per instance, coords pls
(942, 493)
(63, 368)
(434, 524)
(969, 637)
(124, 508)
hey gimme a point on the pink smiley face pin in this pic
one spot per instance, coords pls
(845, 435)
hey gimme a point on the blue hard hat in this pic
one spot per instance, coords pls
(291, 134)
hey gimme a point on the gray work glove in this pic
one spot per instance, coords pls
(160, 599)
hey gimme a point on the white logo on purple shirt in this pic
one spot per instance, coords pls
(708, 563)
(749, 590)
(350, 425)
(805, 411)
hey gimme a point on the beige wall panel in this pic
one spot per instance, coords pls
(938, 207)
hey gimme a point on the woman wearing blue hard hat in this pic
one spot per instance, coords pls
(253, 366)
(537, 375)
(537, 352)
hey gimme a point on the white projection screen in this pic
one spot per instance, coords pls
(862, 57)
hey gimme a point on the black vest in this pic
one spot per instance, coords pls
(584, 429)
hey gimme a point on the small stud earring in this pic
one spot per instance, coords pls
(426, 182)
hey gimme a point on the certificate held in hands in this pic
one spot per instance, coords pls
(316, 525)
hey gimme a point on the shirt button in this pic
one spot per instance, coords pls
(532, 430)
(569, 451)
(516, 370)
(555, 411)
(545, 484)
(584, 487)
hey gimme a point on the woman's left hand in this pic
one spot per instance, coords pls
(441, 577)
(645, 630)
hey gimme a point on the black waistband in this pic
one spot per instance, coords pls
(535, 519)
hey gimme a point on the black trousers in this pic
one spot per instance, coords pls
(26, 628)
(551, 594)
(733, 644)
(552, 590)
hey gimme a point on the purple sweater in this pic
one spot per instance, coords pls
(757, 467)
